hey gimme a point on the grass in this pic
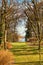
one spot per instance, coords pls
(25, 54)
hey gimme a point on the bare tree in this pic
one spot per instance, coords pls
(7, 15)
(35, 19)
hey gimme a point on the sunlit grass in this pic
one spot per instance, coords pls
(25, 53)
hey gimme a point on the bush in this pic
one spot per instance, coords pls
(6, 57)
(8, 45)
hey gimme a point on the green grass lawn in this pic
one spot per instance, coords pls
(25, 54)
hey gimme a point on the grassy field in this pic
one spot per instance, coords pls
(25, 54)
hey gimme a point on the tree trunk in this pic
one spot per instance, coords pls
(39, 53)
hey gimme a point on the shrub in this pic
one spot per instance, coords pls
(8, 45)
(6, 57)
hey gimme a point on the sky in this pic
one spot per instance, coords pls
(21, 29)
(20, 1)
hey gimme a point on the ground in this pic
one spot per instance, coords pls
(25, 54)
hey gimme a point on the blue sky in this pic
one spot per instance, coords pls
(20, 1)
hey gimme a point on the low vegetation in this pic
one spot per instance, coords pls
(6, 57)
(26, 54)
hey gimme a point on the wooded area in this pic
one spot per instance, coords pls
(31, 12)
